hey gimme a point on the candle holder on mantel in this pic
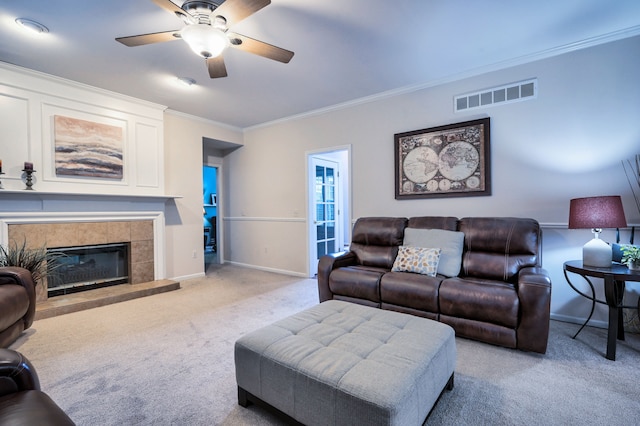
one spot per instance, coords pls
(29, 178)
(1, 173)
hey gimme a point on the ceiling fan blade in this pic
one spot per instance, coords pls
(235, 11)
(142, 39)
(260, 48)
(173, 9)
(216, 67)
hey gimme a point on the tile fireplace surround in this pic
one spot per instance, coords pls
(138, 233)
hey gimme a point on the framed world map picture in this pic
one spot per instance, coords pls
(444, 161)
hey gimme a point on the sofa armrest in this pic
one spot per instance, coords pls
(21, 276)
(16, 373)
(534, 292)
(23, 402)
(327, 264)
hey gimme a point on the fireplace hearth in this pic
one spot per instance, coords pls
(88, 267)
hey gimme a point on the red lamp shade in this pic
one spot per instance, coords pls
(597, 213)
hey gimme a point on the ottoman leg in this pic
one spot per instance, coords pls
(449, 385)
(243, 399)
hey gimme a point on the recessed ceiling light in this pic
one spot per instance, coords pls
(187, 81)
(33, 26)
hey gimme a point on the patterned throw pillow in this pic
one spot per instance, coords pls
(417, 259)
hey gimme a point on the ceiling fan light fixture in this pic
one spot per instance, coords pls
(204, 39)
(31, 25)
(186, 81)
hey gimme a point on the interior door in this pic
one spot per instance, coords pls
(325, 206)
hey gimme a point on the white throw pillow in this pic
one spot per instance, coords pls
(450, 243)
(417, 259)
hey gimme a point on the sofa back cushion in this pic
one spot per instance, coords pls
(497, 248)
(448, 223)
(375, 240)
(450, 244)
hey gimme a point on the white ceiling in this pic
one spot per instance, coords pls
(345, 50)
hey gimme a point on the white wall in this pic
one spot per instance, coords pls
(28, 103)
(567, 143)
(183, 172)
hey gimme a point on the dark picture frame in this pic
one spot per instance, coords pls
(445, 161)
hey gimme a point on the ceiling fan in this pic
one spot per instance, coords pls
(206, 31)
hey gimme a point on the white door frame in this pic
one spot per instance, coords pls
(344, 205)
(219, 205)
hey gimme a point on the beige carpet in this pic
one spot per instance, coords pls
(168, 360)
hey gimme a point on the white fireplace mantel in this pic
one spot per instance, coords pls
(6, 195)
(32, 207)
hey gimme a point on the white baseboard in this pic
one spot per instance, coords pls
(188, 277)
(580, 321)
(264, 268)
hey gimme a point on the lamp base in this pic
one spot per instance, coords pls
(597, 253)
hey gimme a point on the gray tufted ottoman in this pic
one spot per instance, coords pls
(340, 363)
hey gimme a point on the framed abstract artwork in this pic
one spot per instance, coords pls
(444, 161)
(87, 148)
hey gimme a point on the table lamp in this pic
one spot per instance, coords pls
(596, 213)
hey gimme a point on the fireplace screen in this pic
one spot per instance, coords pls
(88, 267)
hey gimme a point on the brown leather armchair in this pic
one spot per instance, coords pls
(22, 403)
(17, 303)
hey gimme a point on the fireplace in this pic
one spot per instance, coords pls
(64, 230)
(88, 267)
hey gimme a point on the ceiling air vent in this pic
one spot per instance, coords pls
(509, 93)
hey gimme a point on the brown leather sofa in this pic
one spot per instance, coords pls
(500, 296)
(22, 403)
(17, 303)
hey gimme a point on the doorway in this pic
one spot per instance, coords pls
(210, 215)
(213, 153)
(329, 217)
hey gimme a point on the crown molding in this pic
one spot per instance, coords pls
(175, 113)
(75, 84)
(521, 60)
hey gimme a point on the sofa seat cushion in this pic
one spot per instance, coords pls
(410, 290)
(14, 303)
(488, 301)
(360, 282)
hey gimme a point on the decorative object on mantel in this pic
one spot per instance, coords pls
(597, 213)
(28, 171)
